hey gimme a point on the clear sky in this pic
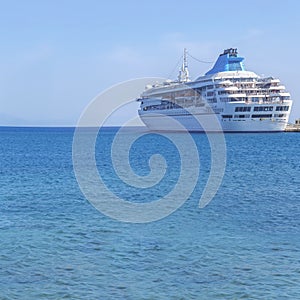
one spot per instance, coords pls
(58, 55)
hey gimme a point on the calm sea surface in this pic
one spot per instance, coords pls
(55, 245)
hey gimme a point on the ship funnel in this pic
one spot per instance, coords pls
(228, 61)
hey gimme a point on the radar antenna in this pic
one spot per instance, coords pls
(183, 75)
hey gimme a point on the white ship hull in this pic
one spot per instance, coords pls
(159, 122)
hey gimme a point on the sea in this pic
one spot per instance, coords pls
(55, 244)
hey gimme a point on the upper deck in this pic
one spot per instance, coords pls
(227, 81)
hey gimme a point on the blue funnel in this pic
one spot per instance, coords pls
(228, 61)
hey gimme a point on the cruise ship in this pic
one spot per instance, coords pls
(240, 100)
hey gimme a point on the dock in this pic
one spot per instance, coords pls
(293, 127)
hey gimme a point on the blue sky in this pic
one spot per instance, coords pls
(56, 56)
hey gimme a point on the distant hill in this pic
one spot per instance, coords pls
(8, 120)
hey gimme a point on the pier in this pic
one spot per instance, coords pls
(293, 127)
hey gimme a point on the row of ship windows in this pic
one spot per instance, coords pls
(282, 108)
(250, 80)
(253, 99)
(261, 108)
(254, 116)
(237, 109)
(247, 91)
(250, 86)
(164, 106)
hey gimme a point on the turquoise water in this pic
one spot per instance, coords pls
(55, 245)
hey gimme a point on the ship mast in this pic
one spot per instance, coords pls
(183, 75)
